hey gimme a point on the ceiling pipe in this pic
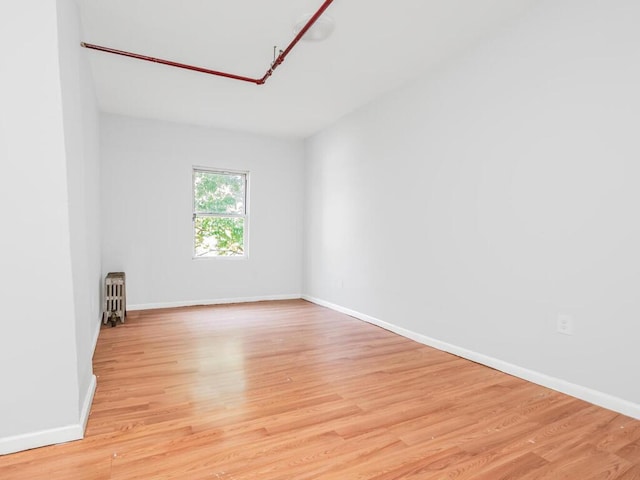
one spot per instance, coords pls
(169, 62)
(258, 81)
(278, 61)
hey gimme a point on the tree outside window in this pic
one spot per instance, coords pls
(219, 213)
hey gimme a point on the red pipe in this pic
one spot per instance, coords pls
(258, 81)
(278, 61)
(170, 63)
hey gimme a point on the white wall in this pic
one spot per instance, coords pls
(146, 209)
(475, 206)
(39, 381)
(83, 168)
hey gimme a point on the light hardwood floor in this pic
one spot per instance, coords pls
(289, 390)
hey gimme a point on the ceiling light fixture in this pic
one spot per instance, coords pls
(321, 29)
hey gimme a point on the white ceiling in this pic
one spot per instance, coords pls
(375, 47)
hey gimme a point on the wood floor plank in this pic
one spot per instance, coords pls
(289, 390)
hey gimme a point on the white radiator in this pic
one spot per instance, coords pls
(115, 298)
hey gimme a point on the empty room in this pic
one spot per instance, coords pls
(320, 239)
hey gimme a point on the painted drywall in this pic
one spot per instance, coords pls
(146, 212)
(83, 167)
(476, 205)
(39, 379)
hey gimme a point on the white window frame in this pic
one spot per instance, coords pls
(194, 214)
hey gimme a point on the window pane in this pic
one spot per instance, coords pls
(221, 193)
(216, 236)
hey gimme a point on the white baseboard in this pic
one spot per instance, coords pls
(217, 301)
(601, 399)
(51, 436)
(95, 337)
(86, 404)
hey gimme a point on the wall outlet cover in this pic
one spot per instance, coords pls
(565, 324)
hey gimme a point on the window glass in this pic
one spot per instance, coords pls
(219, 213)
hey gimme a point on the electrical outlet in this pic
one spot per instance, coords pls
(565, 324)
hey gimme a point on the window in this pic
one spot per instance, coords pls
(219, 213)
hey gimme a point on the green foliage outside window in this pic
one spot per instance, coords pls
(219, 213)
